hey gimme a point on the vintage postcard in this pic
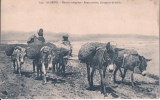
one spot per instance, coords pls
(79, 49)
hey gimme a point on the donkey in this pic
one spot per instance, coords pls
(59, 64)
(129, 61)
(17, 58)
(101, 60)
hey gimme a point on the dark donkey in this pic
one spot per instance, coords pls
(101, 59)
(60, 61)
(129, 59)
(59, 64)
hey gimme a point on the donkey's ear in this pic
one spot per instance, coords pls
(118, 49)
(140, 57)
(108, 46)
(25, 50)
(148, 60)
(18, 47)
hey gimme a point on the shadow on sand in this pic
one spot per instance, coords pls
(26, 74)
(55, 80)
(108, 90)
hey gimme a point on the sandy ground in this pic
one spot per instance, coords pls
(75, 84)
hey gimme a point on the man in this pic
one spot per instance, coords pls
(34, 39)
(40, 36)
(66, 42)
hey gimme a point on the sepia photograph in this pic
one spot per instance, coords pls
(79, 49)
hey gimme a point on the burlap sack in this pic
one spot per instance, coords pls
(10, 47)
(88, 50)
(62, 49)
(53, 46)
(126, 51)
(33, 51)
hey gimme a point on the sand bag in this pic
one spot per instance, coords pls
(88, 50)
(126, 51)
(131, 51)
(33, 51)
(63, 50)
(97, 44)
(9, 49)
(51, 45)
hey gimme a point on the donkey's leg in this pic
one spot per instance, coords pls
(58, 65)
(103, 87)
(63, 67)
(92, 73)
(120, 71)
(44, 73)
(58, 68)
(114, 77)
(14, 65)
(88, 74)
(34, 64)
(19, 67)
(123, 76)
(132, 77)
(104, 72)
(53, 67)
(38, 69)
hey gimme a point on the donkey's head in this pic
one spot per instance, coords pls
(143, 65)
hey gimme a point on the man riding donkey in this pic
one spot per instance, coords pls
(64, 50)
(67, 43)
(34, 40)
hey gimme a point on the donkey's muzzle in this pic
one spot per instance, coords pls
(110, 68)
(144, 73)
(22, 62)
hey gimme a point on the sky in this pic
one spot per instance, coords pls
(128, 17)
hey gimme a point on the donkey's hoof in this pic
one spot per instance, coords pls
(37, 78)
(114, 81)
(44, 83)
(64, 75)
(105, 95)
(133, 86)
(114, 85)
(91, 88)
